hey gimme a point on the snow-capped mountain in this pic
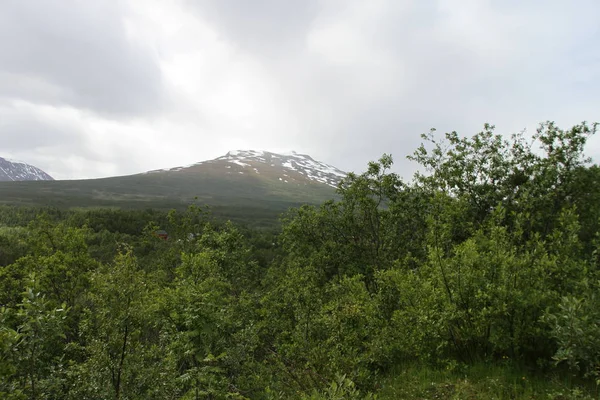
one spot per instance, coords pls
(19, 171)
(243, 185)
(291, 168)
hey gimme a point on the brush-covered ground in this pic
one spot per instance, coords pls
(479, 280)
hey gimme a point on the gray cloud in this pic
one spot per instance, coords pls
(76, 53)
(380, 74)
(140, 84)
(264, 27)
(24, 128)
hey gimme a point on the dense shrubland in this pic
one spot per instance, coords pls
(478, 279)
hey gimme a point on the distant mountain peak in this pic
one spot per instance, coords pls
(288, 168)
(19, 171)
(292, 161)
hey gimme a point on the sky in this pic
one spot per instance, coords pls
(101, 88)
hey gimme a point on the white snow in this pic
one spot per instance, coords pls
(240, 163)
(290, 162)
(20, 171)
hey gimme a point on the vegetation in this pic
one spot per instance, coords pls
(478, 279)
(256, 199)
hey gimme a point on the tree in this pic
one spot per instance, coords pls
(356, 235)
(118, 332)
(33, 347)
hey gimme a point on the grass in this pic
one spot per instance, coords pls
(483, 381)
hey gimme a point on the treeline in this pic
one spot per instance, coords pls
(488, 258)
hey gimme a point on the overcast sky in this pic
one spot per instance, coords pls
(112, 87)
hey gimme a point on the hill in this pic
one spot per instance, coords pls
(241, 185)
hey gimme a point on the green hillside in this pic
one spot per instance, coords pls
(228, 189)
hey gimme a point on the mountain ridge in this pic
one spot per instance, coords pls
(290, 163)
(11, 171)
(241, 185)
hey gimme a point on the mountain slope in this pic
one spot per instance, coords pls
(241, 184)
(292, 168)
(17, 171)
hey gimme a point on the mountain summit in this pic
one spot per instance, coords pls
(18, 171)
(243, 185)
(289, 168)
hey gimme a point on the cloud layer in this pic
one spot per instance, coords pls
(91, 89)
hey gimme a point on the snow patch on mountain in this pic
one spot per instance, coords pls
(301, 163)
(20, 171)
(283, 163)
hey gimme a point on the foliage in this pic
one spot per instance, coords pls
(470, 281)
(479, 381)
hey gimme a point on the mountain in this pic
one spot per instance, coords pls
(241, 185)
(18, 171)
(292, 168)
